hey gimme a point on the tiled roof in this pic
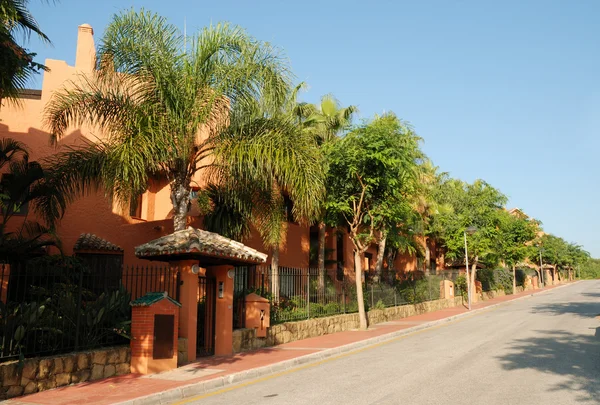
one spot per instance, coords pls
(151, 298)
(198, 244)
(89, 241)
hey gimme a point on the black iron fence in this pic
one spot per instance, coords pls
(303, 293)
(50, 307)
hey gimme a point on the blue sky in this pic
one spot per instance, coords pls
(506, 91)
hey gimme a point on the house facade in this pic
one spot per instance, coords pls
(95, 225)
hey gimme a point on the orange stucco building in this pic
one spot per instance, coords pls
(95, 214)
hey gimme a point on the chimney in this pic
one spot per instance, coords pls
(86, 51)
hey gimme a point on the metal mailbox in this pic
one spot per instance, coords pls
(258, 314)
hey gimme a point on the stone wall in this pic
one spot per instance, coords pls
(44, 373)
(245, 339)
(488, 295)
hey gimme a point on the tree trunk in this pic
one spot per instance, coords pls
(321, 257)
(362, 316)
(380, 255)
(472, 281)
(180, 198)
(427, 258)
(514, 279)
(275, 274)
(390, 257)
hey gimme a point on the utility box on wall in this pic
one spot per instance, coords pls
(258, 314)
(154, 337)
(446, 289)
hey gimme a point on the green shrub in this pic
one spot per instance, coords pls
(425, 289)
(352, 307)
(380, 305)
(520, 276)
(486, 277)
(503, 280)
(461, 284)
(297, 302)
(316, 309)
(332, 308)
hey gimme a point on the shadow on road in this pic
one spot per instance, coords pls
(573, 356)
(582, 309)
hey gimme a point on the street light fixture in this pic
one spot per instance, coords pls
(470, 230)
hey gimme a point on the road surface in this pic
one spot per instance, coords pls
(541, 350)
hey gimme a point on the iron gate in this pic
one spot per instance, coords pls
(205, 338)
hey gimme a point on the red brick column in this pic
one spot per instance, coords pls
(188, 297)
(224, 311)
(142, 337)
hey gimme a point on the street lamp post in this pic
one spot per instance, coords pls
(541, 267)
(470, 230)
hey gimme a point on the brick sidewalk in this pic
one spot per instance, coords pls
(125, 389)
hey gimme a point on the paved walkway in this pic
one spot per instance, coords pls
(125, 389)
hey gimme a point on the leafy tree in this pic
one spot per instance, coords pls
(326, 121)
(152, 98)
(368, 170)
(559, 253)
(590, 269)
(516, 235)
(16, 62)
(476, 205)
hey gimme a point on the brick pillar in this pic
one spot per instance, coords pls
(224, 311)
(188, 313)
(142, 337)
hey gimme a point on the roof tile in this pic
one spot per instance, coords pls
(203, 243)
(89, 241)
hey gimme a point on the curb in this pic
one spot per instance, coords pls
(203, 387)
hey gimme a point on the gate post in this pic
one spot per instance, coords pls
(223, 309)
(188, 313)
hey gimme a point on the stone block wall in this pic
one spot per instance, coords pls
(245, 339)
(44, 373)
(182, 351)
(488, 295)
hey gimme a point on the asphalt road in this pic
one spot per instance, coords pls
(540, 350)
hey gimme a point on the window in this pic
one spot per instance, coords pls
(16, 209)
(289, 206)
(339, 250)
(135, 207)
(368, 261)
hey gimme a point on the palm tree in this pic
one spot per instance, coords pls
(258, 196)
(326, 121)
(26, 187)
(152, 98)
(427, 206)
(16, 63)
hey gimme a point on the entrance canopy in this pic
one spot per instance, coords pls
(195, 244)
